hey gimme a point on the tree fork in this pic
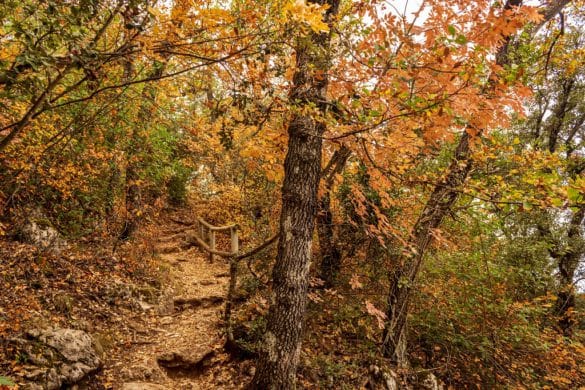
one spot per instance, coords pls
(407, 266)
(330, 252)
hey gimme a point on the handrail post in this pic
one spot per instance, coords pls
(230, 300)
(234, 238)
(211, 244)
(232, 286)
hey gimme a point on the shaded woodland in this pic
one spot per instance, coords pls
(401, 186)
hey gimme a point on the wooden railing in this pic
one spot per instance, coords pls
(205, 238)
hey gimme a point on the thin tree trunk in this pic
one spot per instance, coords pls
(567, 258)
(567, 263)
(38, 103)
(559, 114)
(406, 267)
(443, 197)
(133, 199)
(279, 355)
(330, 252)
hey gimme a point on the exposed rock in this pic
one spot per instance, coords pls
(75, 345)
(144, 306)
(381, 380)
(142, 386)
(430, 382)
(57, 357)
(165, 307)
(179, 361)
(183, 302)
(142, 372)
(37, 230)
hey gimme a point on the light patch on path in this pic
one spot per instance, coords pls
(188, 331)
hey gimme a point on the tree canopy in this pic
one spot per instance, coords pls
(421, 165)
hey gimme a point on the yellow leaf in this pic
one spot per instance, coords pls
(310, 14)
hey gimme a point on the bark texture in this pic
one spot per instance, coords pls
(279, 355)
(330, 252)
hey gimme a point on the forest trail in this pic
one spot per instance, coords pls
(178, 344)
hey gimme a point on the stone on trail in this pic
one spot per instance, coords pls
(140, 373)
(57, 357)
(209, 301)
(142, 386)
(185, 362)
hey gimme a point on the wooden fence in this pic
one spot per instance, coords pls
(205, 236)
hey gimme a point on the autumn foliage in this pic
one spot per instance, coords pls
(113, 111)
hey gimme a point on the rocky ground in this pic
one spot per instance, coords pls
(148, 316)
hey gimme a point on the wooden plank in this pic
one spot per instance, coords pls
(235, 245)
(211, 244)
(215, 228)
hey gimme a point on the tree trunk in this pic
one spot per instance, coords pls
(330, 252)
(567, 264)
(133, 199)
(406, 267)
(279, 354)
(437, 207)
(567, 258)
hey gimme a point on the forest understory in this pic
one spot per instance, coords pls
(284, 194)
(153, 299)
(154, 306)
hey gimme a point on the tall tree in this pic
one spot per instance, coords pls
(328, 248)
(556, 126)
(437, 207)
(279, 355)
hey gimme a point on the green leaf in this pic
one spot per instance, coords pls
(557, 202)
(451, 29)
(6, 381)
(573, 194)
(461, 39)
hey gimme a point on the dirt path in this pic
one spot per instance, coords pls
(177, 343)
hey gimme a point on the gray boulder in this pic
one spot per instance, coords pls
(37, 230)
(57, 357)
